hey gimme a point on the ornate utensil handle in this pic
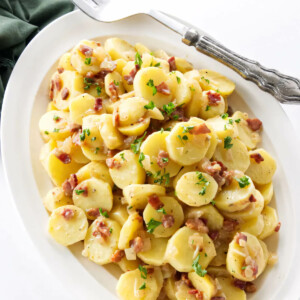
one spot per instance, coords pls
(284, 88)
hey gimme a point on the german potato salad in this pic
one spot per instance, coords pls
(155, 172)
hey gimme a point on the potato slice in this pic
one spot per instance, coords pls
(170, 288)
(137, 195)
(65, 62)
(129, 66)
(93, 193)
(231, 292)
(154, 256)
(128, 170)
(249, 137)
(211, 80)
(152, 61)
(180, 253)
(155, 144)
(141, 49)
(56, 198)
(235, 197)
(171, 207)
(118, 48)
(94, 169)
(218, 271)
(182, 65)
(145, 82)
(254, 226)
(119, 212)
(116, 79)
(267, 191)
(192, 109)
(128, 265)
(237, 256)
(261, 172)
(45, 152)
(186, 148)
(54, 125)
(270, 222)
(196, 188)
(51, 106)
(135, 129)
(130, 230)
(131, 285)
(100, 249)
(121, 63)
(68, 225)
(222, 127)
(234, 158)
(204, 284)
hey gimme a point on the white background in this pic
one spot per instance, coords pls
(267, 31)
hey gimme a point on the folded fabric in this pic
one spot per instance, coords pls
(20, 21)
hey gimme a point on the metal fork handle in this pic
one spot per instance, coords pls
(284, 88)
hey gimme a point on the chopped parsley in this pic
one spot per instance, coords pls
(192, 89)
(122, 156)
(237, 120)
(187, 128)
(141, 158)
(224, 116)
(46, 132)
(88, 61)
(161, 210)
(207, 108)
(150, 83)
(143, 271)
(151, 105)
(161, 130)
(103, 213)
(212, 202)
(98, 89)
(198, 269)
(243, 181)
(96, 150)
(175, 117)
(178, 79)
(89, 82)
(110, 230)
(203, 78)
(143, 286)
(56, 118)
(227, 142)
(78, 192)
(93, 139)
(152, 224)
(116, 83)
(160, 178)
(157, 65)
(138, 60)
(135, 147)
(244, 267)
(202, 181)
(165, 159)
(84, 132)
(230, 121)
(169, 108)
(56, 130)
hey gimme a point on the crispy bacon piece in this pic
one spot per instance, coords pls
(86, 50)
(177, 114)
(129, 78)
(51, 90)
(117, 256)
(163, 88)
(167, 221)
(137, 244)
(113, 163)
(257, 157)
(68, 214)
(74, 127)
(114, 91)
(239, 284)
(116, 119)
(57, 119)
(252, 198)
(213, 98)
(198, 294)
(155, 202)
(240, 236)
(65, 93)
(93, 212)
(200, 129)
(214, 234)
(85, 191)
(172, 64)
(254, 124)
(60, 70)
(62, 156)
(163, 158)
(69, 185)
(57, 83)
(230, 225)
(230, 111)
(185, 279)
(98, 104)
(250, 287)
(102, 230)
(197, 224)
(277, 228)
(111, 153)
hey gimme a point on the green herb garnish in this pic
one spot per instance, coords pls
(135, 147)
(243, 181)
(88, 61)
(138, 60)
(143, 271)
(143, 286)
(141, 158)
(150, 83)
(151, 105)
(161, 210)
(152, 224)
(198, 269)
(103, 213)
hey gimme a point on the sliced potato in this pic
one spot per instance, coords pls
(118, 48)
(270, 222)
(135, 129)
(65, 62)
(141, 49)
(231, 292)
(222, 127)
(128, 265)
(193, 107)
(182, 65)
(116, 79)
(56, 198)
(204, 284)
(267, 191)
(152, 61)
(254, 226)
(119, 212)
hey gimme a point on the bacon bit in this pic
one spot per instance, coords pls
(250, 287)
(86, 50)
(230, 225)
(65, 93)
(74, 127)
(90, 75)
(277, 228)
(98, 104)
(57, 119)
(150, 271)
(155, 202)
(254, 124)
(200, 129)
(93, 212)
(185, 279)
(230, 111)
(240, 237)
(163, 89)
(98, 44)
(213, 98)
(196, 293)
(129, 78)
(113, 163)
(117, 119)
(102, 230)
(214, 235)
(168, 221)
(51, 90)
(252, 199)
(197, 224)
(257, 157)
(178, 113)
(239, 284)
(218, 298)
(68, 214)
(163, 162)
(114, 91)
(111, 153)
(58, 83)
(85, 191)
(117, 256)
(69, 185)
(172, 64)
(62, 156)
(137, 244)
(60, 70)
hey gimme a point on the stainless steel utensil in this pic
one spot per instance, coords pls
(284, 88)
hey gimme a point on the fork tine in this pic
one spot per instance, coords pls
(89, 7)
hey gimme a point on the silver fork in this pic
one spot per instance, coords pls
(285, 89)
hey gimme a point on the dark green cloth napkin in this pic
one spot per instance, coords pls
(20, 21)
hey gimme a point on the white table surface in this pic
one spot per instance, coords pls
(267, 31)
